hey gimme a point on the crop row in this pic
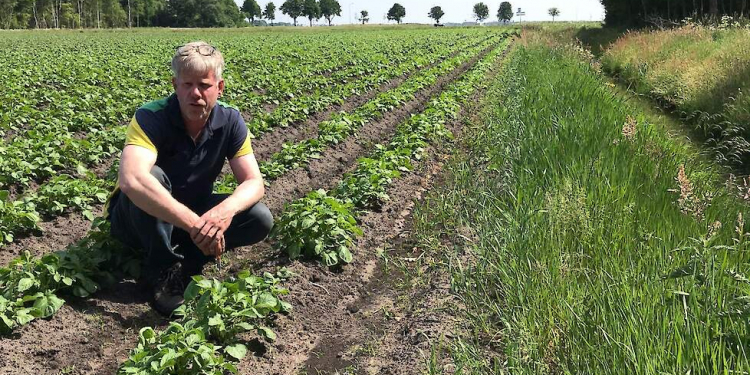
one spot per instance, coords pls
(301, 107)
(342, 125)
(323, 224)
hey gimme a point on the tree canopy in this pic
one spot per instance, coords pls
(481, 11)
(396, 13)
(436, 13)
(330, 9)
(120, 13)
(270, 12)
(293, 8)
(311, 10)
(251, 10)
(364, 16)
(505, 12)
(554, 12)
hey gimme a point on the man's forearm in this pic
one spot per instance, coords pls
(244, 196)
(150, 196)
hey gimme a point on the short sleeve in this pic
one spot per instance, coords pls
(141, 133)
(240, 140)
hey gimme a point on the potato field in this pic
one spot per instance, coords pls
(556, 198)
(349, 128)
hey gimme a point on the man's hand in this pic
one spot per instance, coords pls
(208, 231)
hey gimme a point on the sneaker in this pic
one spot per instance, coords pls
(169, 289)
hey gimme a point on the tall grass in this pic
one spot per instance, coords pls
(702, 73)
(601, 246)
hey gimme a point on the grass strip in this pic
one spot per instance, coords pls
(587, 241)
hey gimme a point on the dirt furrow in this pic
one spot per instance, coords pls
(269, 143)
(396, 322)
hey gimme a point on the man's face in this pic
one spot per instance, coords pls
(197, 93)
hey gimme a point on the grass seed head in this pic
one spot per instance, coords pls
(629, 128)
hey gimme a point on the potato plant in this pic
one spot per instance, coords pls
(205, 338)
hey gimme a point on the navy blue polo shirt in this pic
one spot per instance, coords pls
(192, 167)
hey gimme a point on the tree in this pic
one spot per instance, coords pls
(329, 9)
(436, 13)
(270, 12)
(251, 10)
(364, 16)
(554, 12)
(481, 12)
(505, 13)
(311, 10)
(396, 13)
(292, 8)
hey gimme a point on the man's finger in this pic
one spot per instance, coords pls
(213, 232)
(197, 227)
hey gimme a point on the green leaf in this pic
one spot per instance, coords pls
(6, 321)
(268, 333)
(237, 351)
(266, 301)
(23, 317)
(214, 320)
(245, 326)
(88, 215)
(24, 284)
(344, 254)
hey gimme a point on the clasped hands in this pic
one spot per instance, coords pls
(207, 232)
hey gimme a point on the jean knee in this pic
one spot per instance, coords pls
(264, 218)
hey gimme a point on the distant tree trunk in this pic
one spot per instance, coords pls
(130, 19)
(80, 13)
(36, 20)
(744, 7)
(714, 9)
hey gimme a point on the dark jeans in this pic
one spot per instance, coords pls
(165, 245)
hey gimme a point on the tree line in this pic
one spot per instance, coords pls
(72, 14)
(644, 12)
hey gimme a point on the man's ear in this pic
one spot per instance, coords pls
(174, 83)
(221, 87)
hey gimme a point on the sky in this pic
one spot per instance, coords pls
(456, 11)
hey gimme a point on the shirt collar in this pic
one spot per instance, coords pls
(175, 116)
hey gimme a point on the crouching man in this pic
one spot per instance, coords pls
(174, 151)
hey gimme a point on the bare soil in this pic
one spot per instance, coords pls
(361, 318)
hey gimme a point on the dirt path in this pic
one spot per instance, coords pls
(93, 336)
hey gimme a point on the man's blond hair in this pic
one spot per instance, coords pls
(197, 57)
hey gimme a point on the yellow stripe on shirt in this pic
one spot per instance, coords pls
(246, 148)
(136, 136)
